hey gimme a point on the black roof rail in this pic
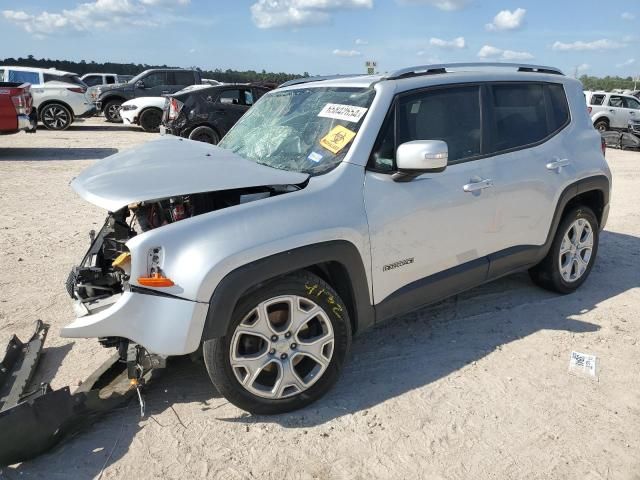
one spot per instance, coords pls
(446, 68)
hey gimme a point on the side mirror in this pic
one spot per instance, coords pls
(420, 156)
(139, 84)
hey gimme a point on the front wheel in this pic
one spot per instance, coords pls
(150, 119)
(112, 111)
(285, 346)
(572, 253)
(55, 116)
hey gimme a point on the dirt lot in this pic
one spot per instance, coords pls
(475, 387)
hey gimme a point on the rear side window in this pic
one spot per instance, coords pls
(183, 78)
(110, 79)
(1, 75)
(230, 97)
(24, 77)
(248, 97)
(597, 99)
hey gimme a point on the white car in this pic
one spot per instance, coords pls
(59, 97)
(612, 111)
(143, 111)
(93, 79)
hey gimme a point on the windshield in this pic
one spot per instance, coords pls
(305, 130)
(137, 77)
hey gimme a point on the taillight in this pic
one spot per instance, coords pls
(77, 90)
(21, 103)
(174, 108)
(603, 145)
(589, 110)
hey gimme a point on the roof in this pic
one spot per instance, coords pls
(53, 71)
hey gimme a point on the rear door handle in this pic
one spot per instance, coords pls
(476, 186)
(558, 164)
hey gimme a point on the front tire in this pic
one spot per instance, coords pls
(55, 116)
(204, 134)
(572, 253)
(150, 120)
(285, 347)
(112, 111)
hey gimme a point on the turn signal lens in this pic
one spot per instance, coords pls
(155, 280)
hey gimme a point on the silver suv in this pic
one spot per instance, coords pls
(333, 205)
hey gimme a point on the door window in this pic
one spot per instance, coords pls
(1, 75)
(155, 79)
(93, 80)
(631, 103)
(24, 77)
(110, 79)
(183, 78)
(230, 97)
(616, 101)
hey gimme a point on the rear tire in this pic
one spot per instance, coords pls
(601, 125)
(55, 116)
(150, 120)
(112, 111)
(204, 134)
(285, 346)
(572, 253)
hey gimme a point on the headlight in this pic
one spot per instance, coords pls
(129, 107)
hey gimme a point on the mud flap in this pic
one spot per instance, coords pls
(33, 422)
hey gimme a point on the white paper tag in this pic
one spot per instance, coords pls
(583, 363)
(338, 111)
(315, 157)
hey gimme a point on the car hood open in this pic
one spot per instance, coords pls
(171, 166)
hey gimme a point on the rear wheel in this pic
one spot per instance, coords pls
(204, 134)
(285, 346)
(601, 125)
(55, 116)
(572, 254)
(150, 119)
(112, 111)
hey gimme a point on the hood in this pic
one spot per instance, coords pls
(169, 167)
(113, 86)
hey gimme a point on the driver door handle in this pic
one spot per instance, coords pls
(558, 164)
(479, 185)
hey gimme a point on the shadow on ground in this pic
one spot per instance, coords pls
(54, 153)
(389, 360)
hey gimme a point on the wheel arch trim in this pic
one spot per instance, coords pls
(239, 281)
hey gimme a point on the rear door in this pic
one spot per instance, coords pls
(181, 80)
(230, 106)
(529, 163)
(619, 117)
(633, 109)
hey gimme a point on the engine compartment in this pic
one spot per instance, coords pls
(104, 270)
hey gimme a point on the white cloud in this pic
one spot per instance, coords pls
(87, 16)
(507, 20)
(347, 53)
(360, 41)
(626, 63)
(580, 46)
(455, 43)
(583, 67)
(490, 52)
(447, 5)
(295, 13)
(628, 16)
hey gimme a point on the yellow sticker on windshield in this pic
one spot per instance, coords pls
(338, 138)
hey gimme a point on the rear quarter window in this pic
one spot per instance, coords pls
(597, 99)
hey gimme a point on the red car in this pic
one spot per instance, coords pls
(16, 108)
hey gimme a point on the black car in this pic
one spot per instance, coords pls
(150, 83)
(206, 114)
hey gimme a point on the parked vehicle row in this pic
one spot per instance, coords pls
(612, 111)
(16, 108)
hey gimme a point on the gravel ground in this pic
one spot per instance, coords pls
(474, 387)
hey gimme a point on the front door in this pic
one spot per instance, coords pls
(433, 230)
(230, 107)
(155, 84)
(618, 113)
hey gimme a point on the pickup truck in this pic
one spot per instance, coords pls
(16, 108)
(150, 83)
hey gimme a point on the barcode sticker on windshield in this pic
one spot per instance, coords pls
(337, 111)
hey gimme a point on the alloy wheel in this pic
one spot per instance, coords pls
(55, 117)
(282, 347)
(575, 250)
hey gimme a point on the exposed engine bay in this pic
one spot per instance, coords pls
(105, 268)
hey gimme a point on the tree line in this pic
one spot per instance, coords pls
(83, 67)
(608, 83)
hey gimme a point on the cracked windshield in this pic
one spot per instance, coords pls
(305, 130)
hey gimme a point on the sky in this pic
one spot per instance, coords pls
(327, 36)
